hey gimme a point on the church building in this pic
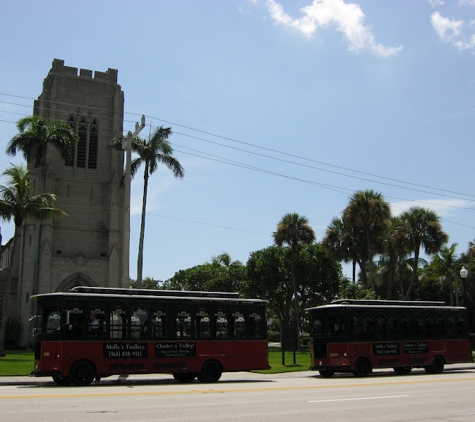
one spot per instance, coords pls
(86, 247)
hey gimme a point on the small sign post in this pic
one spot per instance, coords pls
(288, 338)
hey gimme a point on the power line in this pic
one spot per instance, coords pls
(246, 166)
(288, 155)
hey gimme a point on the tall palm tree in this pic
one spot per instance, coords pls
(151, 153)
(443, 267)
(293, 229)
(422, 229)
(17, 203)
(341, 243)
(36, 133)
(369, 214)
(394, 255)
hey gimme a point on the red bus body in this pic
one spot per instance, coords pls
(188, 334)
(56, 357)
(358, 336)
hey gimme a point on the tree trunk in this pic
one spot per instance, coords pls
(414, 274)
(296, 298)
(142, 229)
(371, 263)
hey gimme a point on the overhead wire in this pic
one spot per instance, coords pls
(393, 180)
(227, 161)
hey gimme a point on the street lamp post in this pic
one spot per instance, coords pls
(463, 276)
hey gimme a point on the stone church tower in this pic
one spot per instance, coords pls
(84, 248)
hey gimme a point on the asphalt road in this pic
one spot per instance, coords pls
(298, 396)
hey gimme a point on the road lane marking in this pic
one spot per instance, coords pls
(358, 398)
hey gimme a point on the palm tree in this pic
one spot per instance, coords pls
(422, 229)
(471, 248)
(293, 230)
(36, 133)
(17, 203)
(443, 267)
(341, 243)
(395, 251)
(368, 213)
(152, 152)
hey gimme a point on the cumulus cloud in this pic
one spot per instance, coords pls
(347, 18)
(450, 30)
(446, 28)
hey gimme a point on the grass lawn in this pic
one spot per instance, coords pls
(16, 363)
(20, 362)
(302, 361)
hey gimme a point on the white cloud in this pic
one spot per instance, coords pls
(346, 17)
(446, 28)
(450, 30)
(443, 207)
(435, 3)
(467, 2)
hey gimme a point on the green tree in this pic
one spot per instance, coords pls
(442, 268)
(36, 134)
(341, 243)
(422, 229)
(368, 214)
(151, 153)
(393, 261)
(269, 277)
(471, 248)
(148, 283)
(18, 204)
(319, 276)
(355, 290)
(220, 275)
(294, 230)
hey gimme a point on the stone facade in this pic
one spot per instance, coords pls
(84, 248)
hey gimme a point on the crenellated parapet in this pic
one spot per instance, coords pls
(59, 68)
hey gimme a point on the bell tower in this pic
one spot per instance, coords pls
(84, 248)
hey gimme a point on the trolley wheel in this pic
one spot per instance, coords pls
(437, 366)
(326, 373)
(211, 371)
(362, 368)
(402, 370)
(184, 377)
(62, 380)
(82, 372)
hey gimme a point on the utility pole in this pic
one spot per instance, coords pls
(127, 146)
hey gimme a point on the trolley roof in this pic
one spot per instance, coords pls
(145, 294)
(388, 304)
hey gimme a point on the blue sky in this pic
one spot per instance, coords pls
(276, 107)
